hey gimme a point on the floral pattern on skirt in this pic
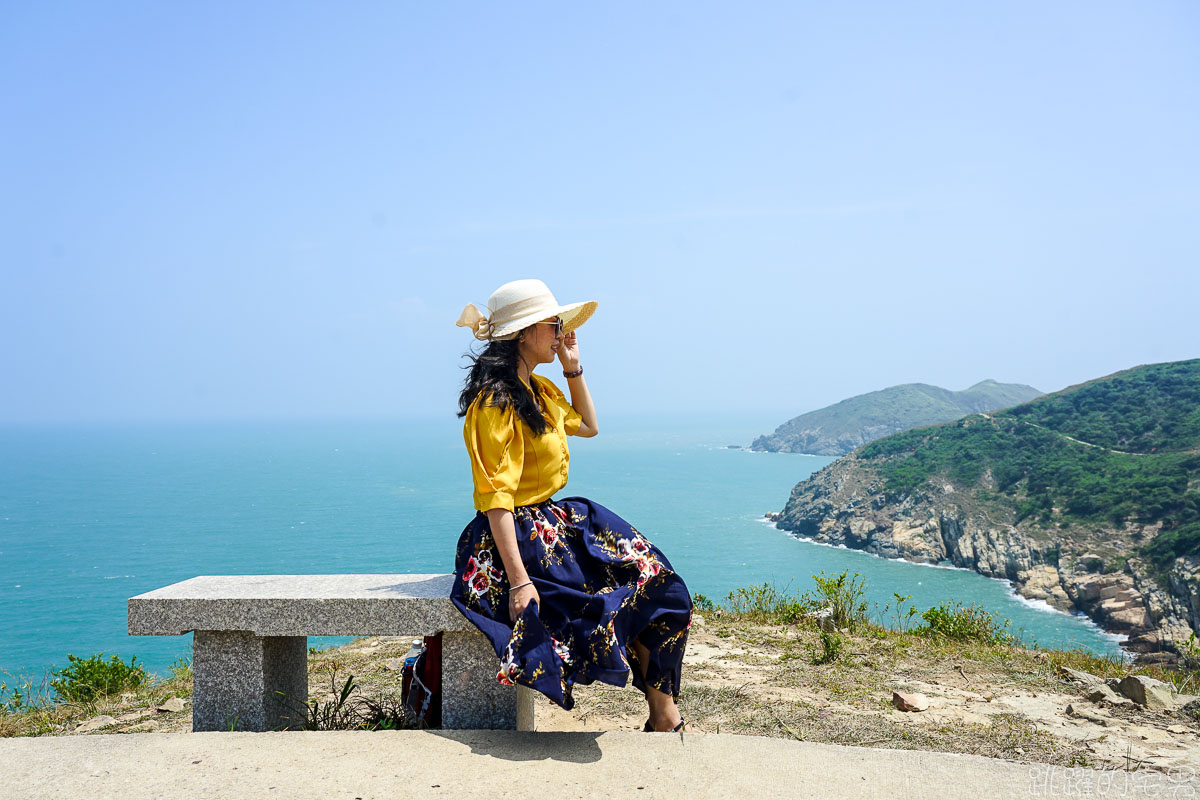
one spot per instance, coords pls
(601, 583)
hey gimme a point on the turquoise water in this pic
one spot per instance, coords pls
(92, 515)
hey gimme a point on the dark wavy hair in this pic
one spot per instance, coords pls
(493, 375)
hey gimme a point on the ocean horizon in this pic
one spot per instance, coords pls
(92, 514)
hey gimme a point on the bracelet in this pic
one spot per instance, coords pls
(574, 374)
(520, 586)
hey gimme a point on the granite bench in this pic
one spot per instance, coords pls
(250, 648)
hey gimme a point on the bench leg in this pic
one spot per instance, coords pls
(471, 696)
(243, 682)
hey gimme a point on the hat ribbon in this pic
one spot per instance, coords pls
(484, 327)
(471, 317)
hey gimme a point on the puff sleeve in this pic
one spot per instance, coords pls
(570, 417)
(496, 449)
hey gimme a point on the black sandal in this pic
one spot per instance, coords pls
(648, 728)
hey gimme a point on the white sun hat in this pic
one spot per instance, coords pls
(518, 305)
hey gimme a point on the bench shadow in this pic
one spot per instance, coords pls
(579, 747)
(436, 587)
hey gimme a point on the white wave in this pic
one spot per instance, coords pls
(940, 565)
(799, 538)
(1031, 602)
(117, 577)
(807, 540)
(1039, 605)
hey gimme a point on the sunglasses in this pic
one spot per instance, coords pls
(558, 326)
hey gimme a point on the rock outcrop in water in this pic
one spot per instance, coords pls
(846, 504)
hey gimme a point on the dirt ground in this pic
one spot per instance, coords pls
(762, 680)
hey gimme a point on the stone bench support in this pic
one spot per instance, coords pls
(245, 682)
(471, 695)
(250, 651)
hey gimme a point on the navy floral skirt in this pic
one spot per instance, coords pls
(601, 583)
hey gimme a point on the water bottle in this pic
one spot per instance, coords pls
(417, 647)
(410, 661)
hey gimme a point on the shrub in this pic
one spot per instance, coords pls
(24, 694)
(903, 616)
(966, 623)
(83, 680)
(1189, 653)
(844, 595)
(831, 648)
(347, 710)
(181, 668)
(764, 603)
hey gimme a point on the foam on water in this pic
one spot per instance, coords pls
(1041, 606)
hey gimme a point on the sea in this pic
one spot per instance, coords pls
(93, 514)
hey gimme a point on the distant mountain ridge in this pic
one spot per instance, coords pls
(837, 429)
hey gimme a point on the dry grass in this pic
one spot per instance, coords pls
(761, 679)
(44, 717)
(764, 681)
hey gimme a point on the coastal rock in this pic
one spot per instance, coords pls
(1043, 582)
(1074, 710)
(824, 618)
(1101, 693)
(916, 540)
(909, 701)
(975, 542)
(845, 504)
(175, 704)
(1184, 583)
(1149, 692)
(1112, 600)
(96, 723)
(1161, 658)
(1079, 676)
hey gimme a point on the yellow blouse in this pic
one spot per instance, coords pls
(509, 464)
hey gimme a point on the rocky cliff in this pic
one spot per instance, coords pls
(1075, 567)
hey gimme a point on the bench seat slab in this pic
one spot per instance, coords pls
(250, 650)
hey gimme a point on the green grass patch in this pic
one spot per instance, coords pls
(85, 679)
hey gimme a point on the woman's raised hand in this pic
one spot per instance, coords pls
(568, 352)
(519, 599)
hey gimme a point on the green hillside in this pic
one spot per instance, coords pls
(839, 428)
(1151, 409)
(1137, 458)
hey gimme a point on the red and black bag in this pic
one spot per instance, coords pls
(421, 686)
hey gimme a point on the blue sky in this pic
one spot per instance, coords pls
(258, 210)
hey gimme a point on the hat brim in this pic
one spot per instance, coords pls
(576, 314)
(572, 314)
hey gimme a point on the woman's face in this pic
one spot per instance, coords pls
(541, 342)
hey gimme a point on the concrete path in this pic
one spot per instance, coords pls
(502, 764)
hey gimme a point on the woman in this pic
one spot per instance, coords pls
(567, 591)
